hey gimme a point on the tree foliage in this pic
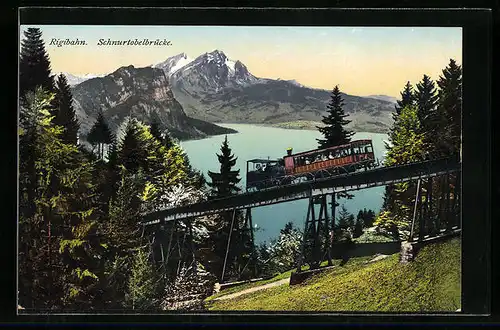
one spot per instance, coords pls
(34, 64)
(65, 113)
(100, 135)
(429, 128)
(334, 131)
(80, 243)
(407, 99)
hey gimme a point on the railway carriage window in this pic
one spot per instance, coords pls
(356, 150)
(308, 161)
(330, 155)
(368, 149)
(324, 157)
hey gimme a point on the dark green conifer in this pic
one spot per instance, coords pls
(65, 113)
(335, 132)
(34, 64)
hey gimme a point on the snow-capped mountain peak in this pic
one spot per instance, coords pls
(174, 63)
(77, 79)
(209, 71)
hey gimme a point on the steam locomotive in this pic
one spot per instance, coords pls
(309, 165)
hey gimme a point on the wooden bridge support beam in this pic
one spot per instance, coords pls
(333, 205)
(447, 190)
(304, 238)
(227, 248)
(316, 238)
(455, 208)
(415, 208)
(249, 226)
(421, 219)
(430, 210)
(192, 245)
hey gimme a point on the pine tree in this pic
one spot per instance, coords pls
(34, 64)
(34, 71)
(426, 99)
(58, 250)
(450, 108)
(131, 153)
(361, 216)
(225, 183)
(369, 218)
(407, 98)
(100, 135)
(335, 132)
(66, 116)
(343, 218)
(358, 228)
(142, 291)
(123, 235)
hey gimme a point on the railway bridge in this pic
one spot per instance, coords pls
(428, 220)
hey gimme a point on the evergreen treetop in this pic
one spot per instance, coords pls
(100, 134)
(334, 131)
(407, 98)
(426, 99)
(65, 113)
(225, 182)
(450, 107)
(34, 64)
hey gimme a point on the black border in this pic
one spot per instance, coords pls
(476, 25)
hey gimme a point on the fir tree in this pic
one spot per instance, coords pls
(34, 64)
(59, 248)
(426, 100)
(141, 293)
(361, 216)
(335, 132)
(358, 228)
(450, 108)
(100, 135)
(343, 218)
(407, 98)
(225, 182)
(369, 218)
(131, 153)
(66, 116)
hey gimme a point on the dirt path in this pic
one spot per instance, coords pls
(257, 288)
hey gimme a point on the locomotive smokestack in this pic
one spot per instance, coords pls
(289, 151)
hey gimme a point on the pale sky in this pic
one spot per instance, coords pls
(361, 60)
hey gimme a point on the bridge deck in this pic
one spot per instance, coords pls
(348, 182)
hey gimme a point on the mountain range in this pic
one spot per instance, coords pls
(142, 93)
(188, 95)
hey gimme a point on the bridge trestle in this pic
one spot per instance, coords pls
(316, 239)
(437, 206)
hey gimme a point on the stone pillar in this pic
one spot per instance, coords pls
(407, 252)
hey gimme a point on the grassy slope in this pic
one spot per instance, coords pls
(430, 283)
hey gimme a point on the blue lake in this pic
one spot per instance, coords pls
(254, 141)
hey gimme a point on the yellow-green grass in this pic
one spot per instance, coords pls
(278, 277)
(430, 283)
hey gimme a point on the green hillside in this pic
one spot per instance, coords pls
(430, 283)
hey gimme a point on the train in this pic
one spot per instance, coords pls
(309, 165)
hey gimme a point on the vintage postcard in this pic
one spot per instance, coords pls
(229, 168)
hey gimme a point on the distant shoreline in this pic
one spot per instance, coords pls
(308, 125)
